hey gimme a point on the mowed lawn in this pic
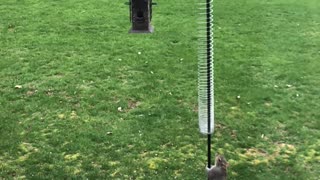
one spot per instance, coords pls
(81, 98)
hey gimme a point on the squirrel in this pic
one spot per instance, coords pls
(219, 170)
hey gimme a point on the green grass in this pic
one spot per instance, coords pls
(76, 65)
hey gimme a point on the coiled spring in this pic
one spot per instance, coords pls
(205, 66)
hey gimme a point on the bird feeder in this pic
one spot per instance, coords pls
(140, 16)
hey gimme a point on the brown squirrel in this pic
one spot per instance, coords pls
(219, 170)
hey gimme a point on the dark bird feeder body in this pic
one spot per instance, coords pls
(140, 16)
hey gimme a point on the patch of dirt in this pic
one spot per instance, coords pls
(31, 92)
(132, 104)
(195, 109)
(281, 150)
(254, 152)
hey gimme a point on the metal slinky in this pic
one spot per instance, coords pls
(205, 67)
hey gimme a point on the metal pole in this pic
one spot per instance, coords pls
(209, 80)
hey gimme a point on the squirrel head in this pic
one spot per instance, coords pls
(220, 161)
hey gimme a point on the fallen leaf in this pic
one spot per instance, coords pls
(73, 115)
(268, 104)
(61, 116)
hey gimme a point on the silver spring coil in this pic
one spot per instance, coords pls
(205, 66)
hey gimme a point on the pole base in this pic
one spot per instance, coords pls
(208, 169)
(208, 172)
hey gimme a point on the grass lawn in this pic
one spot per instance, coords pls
(78, 100)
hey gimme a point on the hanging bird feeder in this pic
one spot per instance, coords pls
(141, 15)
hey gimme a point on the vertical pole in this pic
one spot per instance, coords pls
(209, 80)
(209, 151)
